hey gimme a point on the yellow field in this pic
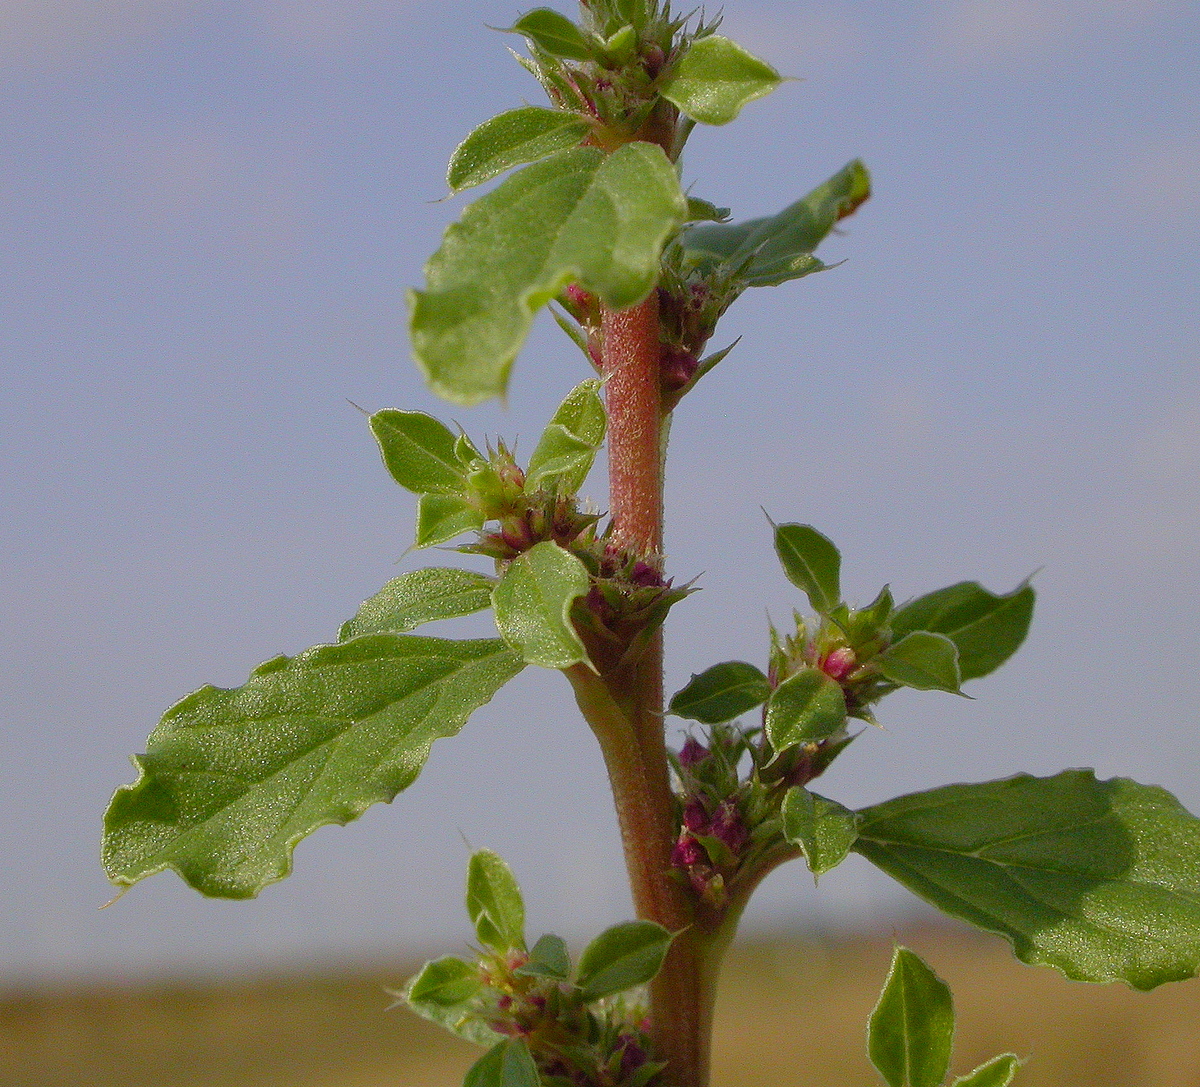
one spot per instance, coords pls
(792, 1015)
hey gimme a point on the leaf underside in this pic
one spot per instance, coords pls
(1099, 879)
(233, 778)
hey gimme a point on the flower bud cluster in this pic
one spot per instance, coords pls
(574, 1044)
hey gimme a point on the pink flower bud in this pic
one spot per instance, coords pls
(677, 368)
(728, 826)
(578, 296)
(687, 852)
(839, 663)
(695, 818)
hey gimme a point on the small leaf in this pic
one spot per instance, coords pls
(988, 629)
(1099, 879)
(419, 451)
(494, 902)
(822, 828)
(911, 1030)
(567, 448)
(533, 606)
(507, 1064)
(444, 992)
(548, 959)
(998, 1072)
(577, 216)
(721, 693)
(233, 779)
(704, 211)
(923, 661)
(812, 563)
(804, 708)
(441, 517)
(553, 33)
(512, 139)
(779, 248)
(621, 957)
(716, 78)
(422, 596)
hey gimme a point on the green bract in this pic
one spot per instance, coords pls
(1100, 879)
(716, 78)
(721, 693)
(911, 1030)
(998, 1072)
(533, 606)
(422, 596)
(445, 992)
(577, 216)
(812, 563)
(804, 708)
(770, 251)
(507, 1064)
(233, 779)
(822, 828)
(494, 902)
(570, 442)
(512, 139)
(622, 957)
(924, 661)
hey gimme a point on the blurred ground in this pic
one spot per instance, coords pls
(792, 1015)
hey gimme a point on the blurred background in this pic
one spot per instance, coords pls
(210, 212)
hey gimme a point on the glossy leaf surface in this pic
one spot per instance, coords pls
(812, 563)
(233, 779)
(533, 606)
(721, 693)
(621, 957)
(507, 1064)
(911, 1031)
(717, 77)
(444, 992)
(998, 1072)
(822, 828)
(577, 216)
(422, 596)
(780, 247)
(1099, 879)
(512, 139)
(570, 442)
(804, 708)
(923, 661)
(986, 628)
(419, 451)
(494, 902)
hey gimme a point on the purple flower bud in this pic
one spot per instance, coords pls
(693, 752)
(578, 296)
(677, 368)
(695, 818)
(687, 852)
(645, 575)
(729, 827)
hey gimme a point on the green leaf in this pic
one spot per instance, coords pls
(779, 248)
(553, 33)
(721, 693)
(507, 1064)
(444, 992)
(233, 779)
(988, 629)
(804, 708)
(512, 139)
(533, 606)
(622, 957)
(716, 78)
(569, 444)
(419, 451)
(822, 828)
(441, 517)
(577, 216)
(704, 211)
(812, 563)
(911, 1030)
(1099, 879)
(422, 596)
(998, 1072)
(494, 902)
(548, 959)
(924, 661)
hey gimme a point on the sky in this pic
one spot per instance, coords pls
(210, 213)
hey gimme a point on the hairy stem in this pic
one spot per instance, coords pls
(625, 707)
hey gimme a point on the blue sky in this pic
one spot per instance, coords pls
(210, 213)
